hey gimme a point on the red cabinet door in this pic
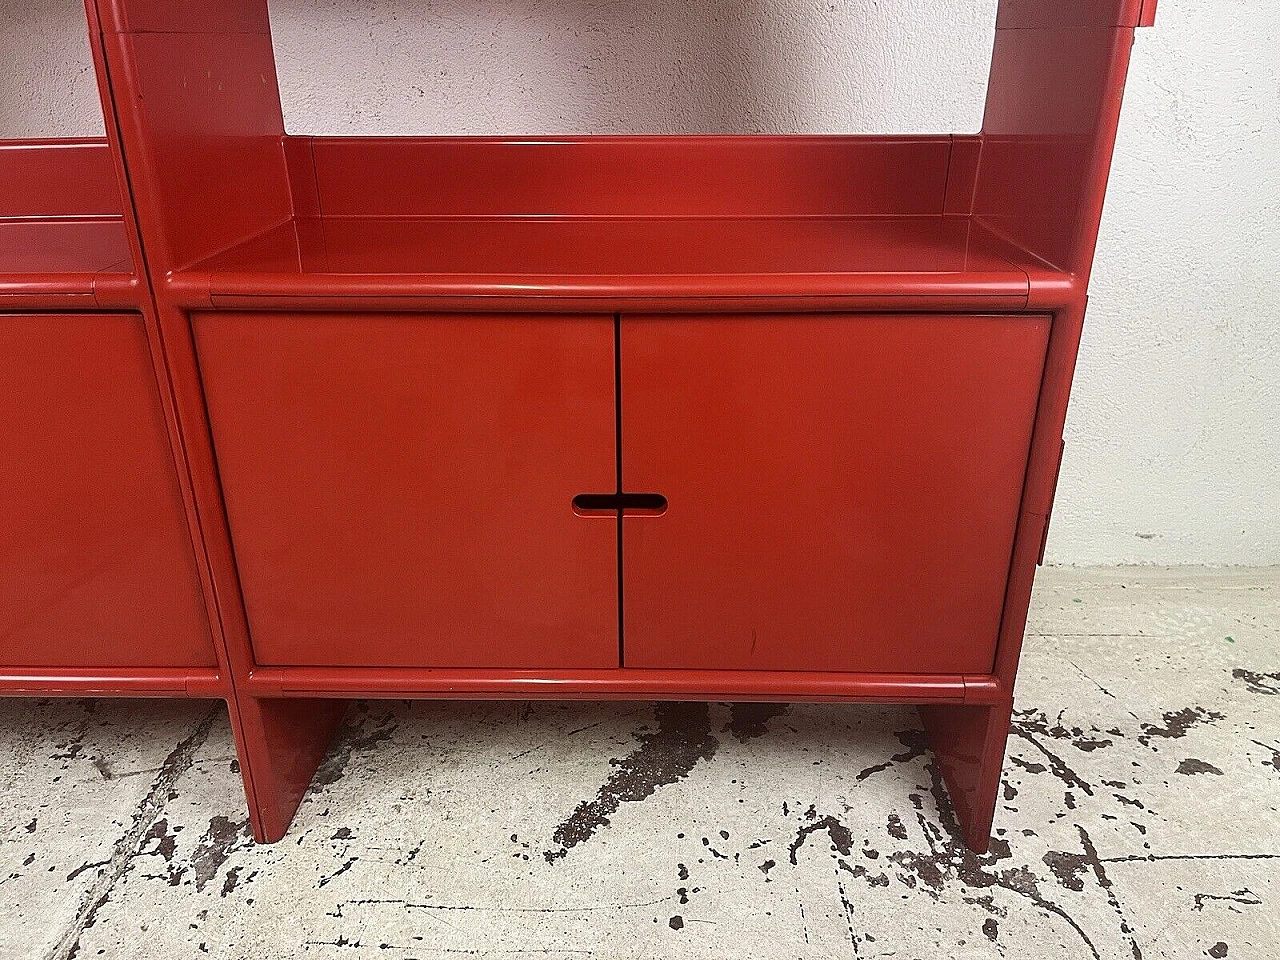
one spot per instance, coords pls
(96, 563)
(842, 491)
(400, 487)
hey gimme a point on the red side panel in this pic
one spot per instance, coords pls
(1070, 14)
(842, 490)
(1053, 105)
(189, 16)
(211, 164)
(400, 488)
(96, 568)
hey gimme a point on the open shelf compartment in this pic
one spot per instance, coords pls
(619, 218)
(63, 240)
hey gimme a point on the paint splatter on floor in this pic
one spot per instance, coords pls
(1140, 816)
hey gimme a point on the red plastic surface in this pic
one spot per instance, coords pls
(111, 682)
(626, 683)
(363, 260)
(95, 566)
(31, 248)
(61, 228)
(206, 138)
(1074, 14)
(400, 487)
(710, 176)
(969, 742)
(1053, 105)
(57, 178)
(843, 490)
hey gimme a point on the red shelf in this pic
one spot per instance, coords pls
(592, 223)
(63, 240)
(605, 257)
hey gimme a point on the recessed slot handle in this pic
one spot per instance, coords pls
(610, 504)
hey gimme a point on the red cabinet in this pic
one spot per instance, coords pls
(842, 490)
(714, 417)
(400, 487)
(96, 566)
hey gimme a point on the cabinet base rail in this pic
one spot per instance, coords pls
(622, 684)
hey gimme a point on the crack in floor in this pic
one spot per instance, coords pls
(130, 844)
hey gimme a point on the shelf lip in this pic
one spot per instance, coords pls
(620, 684)
(577, 263)
(101, 290)
(112, 682)
(270, 291)
(56, 262)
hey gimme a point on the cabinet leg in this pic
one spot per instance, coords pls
(281, 743)
(969, 743)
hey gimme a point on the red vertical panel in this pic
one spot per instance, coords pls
(400, 488)
(57, 178)
(842, 490)
(687, 176)
(96, 568)
(1053, 105)
(204, 139)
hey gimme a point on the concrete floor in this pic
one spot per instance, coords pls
(1141, 815)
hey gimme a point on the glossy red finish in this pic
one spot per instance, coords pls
(400, 487)
(95, 566)
(1053, 105)
(359, 262)
(98, 587)
(109, 682)
(323, 276)
(281, 743)
(186, 16)
(1054, 14)
(843, 490)
(69, 179)
(969, 742)
(623, 684)
(205, 139)
(62, 233)
(621, 177)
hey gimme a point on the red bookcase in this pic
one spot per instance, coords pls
(727, 417)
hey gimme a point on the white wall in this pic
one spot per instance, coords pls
(47, 88)
(1174, 433)
(617, 66)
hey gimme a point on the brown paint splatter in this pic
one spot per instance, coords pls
(750, 720)
(1191, 766)
(665, 756)
(1264, 683)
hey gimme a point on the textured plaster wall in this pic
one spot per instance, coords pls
(1174, 434)
(47, 87)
